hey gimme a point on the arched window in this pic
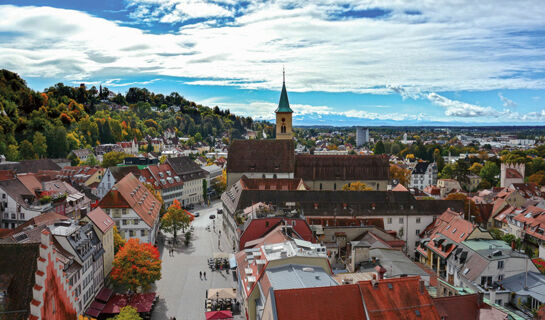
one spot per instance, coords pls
(320, 186)
(263, 176)
(283, 129)
(334, 186)
(274, 176)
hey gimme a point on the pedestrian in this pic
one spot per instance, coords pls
(204, 275)
(200, 274)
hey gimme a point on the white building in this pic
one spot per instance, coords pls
(134, 209)
(113, 175)
(362, 136)
(18, 204)
(481, 264)
(424, 174)
(86, 249)
(192, 176)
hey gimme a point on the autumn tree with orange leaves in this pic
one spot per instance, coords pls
(136, 265)
(175, 219)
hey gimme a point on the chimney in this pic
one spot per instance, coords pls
(421, 286)
(481, 298)
(492, 295)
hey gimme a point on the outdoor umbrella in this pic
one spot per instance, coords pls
(223, 314)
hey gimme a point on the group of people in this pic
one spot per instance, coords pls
(171, 252)
(202, 275)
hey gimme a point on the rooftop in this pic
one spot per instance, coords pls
(298, 276)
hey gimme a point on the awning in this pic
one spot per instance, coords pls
(104, 295)
(220, 255)
(142, 302)
(222, 293)
(223, 314)
(232, 261)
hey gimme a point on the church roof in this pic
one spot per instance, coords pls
(284, 104)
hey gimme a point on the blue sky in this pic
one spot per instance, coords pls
(347, 62)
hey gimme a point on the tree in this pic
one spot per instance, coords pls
(91, 161)
(356, 186)
(538, 178)
(113, 158)
(402, 175)
(447, 172)
(460, 172)
(162, 159)
(476, 168)
(26, 150)
(489, 172)
(175, 219)
(39, 144)
(438, 160)
(74, 160)
(119, 241)
(136, 265)
(128, 313)
(379, 147)
(204, 189)
(12, 153)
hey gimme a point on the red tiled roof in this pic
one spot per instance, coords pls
(30, 182)
(130, 192)
(400, 188)
(452, 226)
(159, 177)
(459, 307)
(342, 167)
(258, 228)
(101, 219)
(398, 298)
(511, 173)
(274, 236)
(331, 303)
(7, 174)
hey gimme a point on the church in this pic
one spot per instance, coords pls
(276, 159)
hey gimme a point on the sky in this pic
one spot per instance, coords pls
(396, 62)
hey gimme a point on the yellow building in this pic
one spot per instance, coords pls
(284, 130)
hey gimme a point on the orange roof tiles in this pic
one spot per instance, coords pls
(101, 219)
(452, 226)
(398, 298)
(332, 303)
(130, 192)
(511, 173)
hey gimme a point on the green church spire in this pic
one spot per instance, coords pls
(284, 104)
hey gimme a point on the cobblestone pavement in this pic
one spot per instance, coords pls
(181, 292)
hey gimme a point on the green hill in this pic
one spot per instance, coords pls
(62, 118)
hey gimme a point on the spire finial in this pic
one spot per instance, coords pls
(283, 74)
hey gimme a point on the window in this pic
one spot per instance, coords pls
(320, 186)
(498, 302)
(500, 264)
(142, 233)
(124, 211)
(400, 220)
(389, 221)
(486, 281)
(500, 277)
(131, 233)
(416, 244)
(124, 222)
(334, 186)
(417, 231)
(417, 220)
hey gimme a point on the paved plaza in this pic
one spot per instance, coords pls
(181, 292)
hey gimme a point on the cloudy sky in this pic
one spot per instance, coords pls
(347, 62)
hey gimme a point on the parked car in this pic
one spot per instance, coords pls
(196, 214)
(212, 216)
(220, 211)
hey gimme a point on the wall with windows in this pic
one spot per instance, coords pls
(408, 228)
(130, 225)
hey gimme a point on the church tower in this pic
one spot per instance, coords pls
(283, 114)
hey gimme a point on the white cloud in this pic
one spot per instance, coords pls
(456, 108)
(507, 102)
(453, 47)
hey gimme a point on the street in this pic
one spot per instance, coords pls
(181, 291)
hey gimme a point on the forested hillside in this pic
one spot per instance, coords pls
(62, 118)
